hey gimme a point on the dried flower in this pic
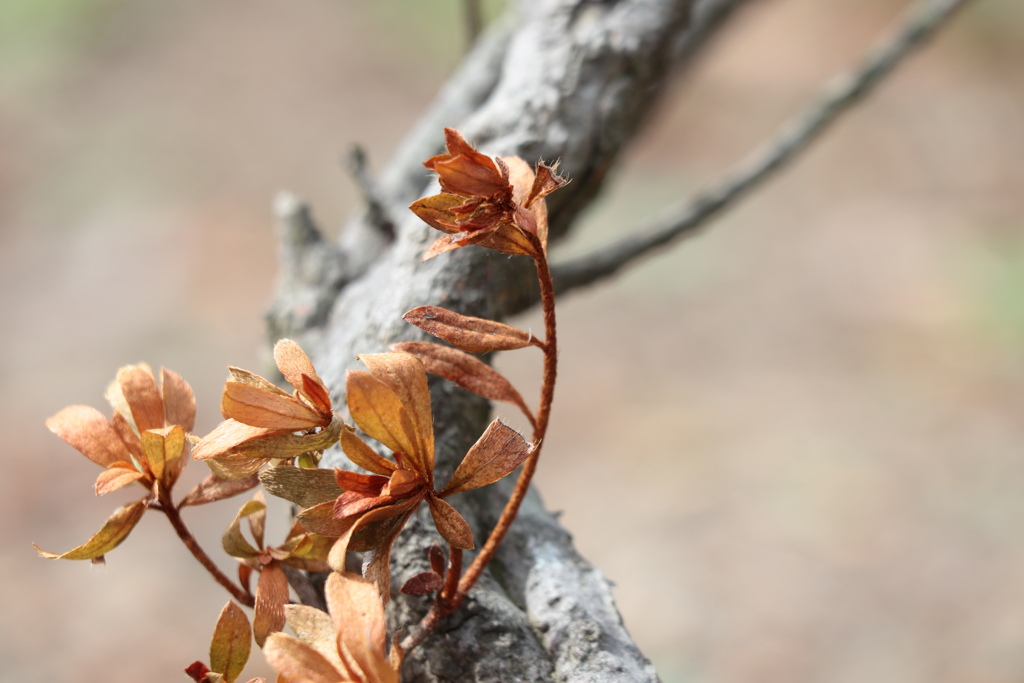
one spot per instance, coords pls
(497, 203)
(347, 646)
(264, 422)
(143, 442)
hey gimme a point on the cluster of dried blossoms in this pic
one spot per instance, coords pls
(274, 438)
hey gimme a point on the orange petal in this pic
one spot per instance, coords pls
(142, 395)
(378, 411)
(90, 433)
(231, 642)
(258, 408)
(163, 449)
(366, 484)
(293, 363)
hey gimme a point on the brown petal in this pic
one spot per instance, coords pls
(271, 597)
(213, 488)
(381, 525)
(437, 561)
(114, 477)
(111, 534)
(405, 375)
(233, 542)
(436, 211)
(126, 432)
(423, 583)
(378, 411)
(352, 504)
(297, 661)
(468, 372)
(90, 433)
(319, 519)
(140, 391)
(496, 453)
(179, 401)
(231, 642)
(473, 335)
(361, 454)
(302, 486)
(450, 524)
(317, 394)
(402, 483)
(255, 407)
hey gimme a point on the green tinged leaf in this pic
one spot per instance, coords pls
(111, 534)
(231, 643)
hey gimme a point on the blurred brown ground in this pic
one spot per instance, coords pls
(794, 442)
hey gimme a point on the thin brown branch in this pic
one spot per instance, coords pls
(174, 517)
(838, 96)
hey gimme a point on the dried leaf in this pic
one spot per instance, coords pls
(379, 412)
(233, 541)
(320, 519)
(473, 335)
(116, 476)
(126, 432)
(366, 484)
(302, 486)
(213, 488)
(225, 438)
(253, 380)
(140, 391)
(258, 519)
(297, 661)
(197, 672)
(87, 430)
(271, 597)
(436, 211)
(405, 375)
(450, 524)
(317, 394)
(423, 583)
(361, 454)
(231, 643)
(315, 628)
(357, 611)
(466, 371)
(498, 451)
(255, 407)
(179, 401)
(293, 363)
(437, 561)
(402, 483)
(111, 534)
(163, 449)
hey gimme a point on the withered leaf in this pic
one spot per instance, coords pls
(89, 432)
(253, 380)
(437, 561)
(358, 615)
(359, 452)
(114, 477)
(498, 451)
(231, 642)
(367, 484)
(179, 401)
(255, 407)
(213, 488)
(163, 449)
(296, 661)
(111, 534)
(473, 335)
(234, 543)
(138, 386)
(423, 583)
(405, 374)
(305, 487)
(319, 519)
(197, 672)
(466, 371)
(450, 524)
(314, 627)
(271, 596)
(378, 411)
(293, 363)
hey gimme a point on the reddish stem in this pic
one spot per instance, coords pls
(174, 517)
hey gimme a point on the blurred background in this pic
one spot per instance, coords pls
(794, 442)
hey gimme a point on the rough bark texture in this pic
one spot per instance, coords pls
(567, 80)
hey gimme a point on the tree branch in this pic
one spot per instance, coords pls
(839, 96)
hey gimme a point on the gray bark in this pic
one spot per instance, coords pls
(564, 79)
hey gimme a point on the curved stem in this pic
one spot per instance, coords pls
(174, 517)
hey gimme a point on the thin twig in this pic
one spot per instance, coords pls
(174, 517)
(919, 24)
